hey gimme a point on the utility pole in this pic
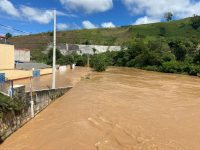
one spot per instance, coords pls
(54, 54)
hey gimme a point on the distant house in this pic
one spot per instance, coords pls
(22, 55)
(3, 39)
(7, 57)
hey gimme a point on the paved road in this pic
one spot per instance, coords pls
(121, 109)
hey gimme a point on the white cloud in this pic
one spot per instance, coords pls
(88, 25)
(34, 14)
(62, 26)
(88, 6)
(7, 7)
(39, 15)
(157, 8)
(145, 20)
(107, 25)
(29, 13)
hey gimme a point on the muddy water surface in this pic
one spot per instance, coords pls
(120, 109)
(66, 77)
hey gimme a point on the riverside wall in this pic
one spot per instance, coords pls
(11, 121)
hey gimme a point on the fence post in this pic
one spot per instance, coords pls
(32, 103)
(12, 89)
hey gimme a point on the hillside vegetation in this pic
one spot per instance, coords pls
(180, 29)
(110, 36)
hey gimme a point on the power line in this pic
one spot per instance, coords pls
(9, 27)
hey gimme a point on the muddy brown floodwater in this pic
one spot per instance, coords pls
(66, 77)
(120, 109)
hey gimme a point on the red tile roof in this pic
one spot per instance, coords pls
(1, 36)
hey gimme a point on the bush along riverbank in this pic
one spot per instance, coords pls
(170, 56)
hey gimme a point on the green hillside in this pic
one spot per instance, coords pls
(113, 36)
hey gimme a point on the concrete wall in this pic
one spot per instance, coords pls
(22, 55)
(11, 122)
(88, 49)
(43, 98)
(7, 56)
(82, 49)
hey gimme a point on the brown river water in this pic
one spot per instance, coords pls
(120, 109)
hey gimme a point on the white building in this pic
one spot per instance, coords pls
(22, 55)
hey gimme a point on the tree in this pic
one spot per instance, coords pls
(195, 22)
(59, 56)
(179, 49)
(168, 16)
(99, 63)
(8, 35)
(71, 58)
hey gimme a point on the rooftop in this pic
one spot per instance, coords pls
(22, 49)
(3, 37)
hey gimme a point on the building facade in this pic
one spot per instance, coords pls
(22, 55)
(7, 60)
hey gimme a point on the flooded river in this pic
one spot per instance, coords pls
(120, 109)
(64, 77)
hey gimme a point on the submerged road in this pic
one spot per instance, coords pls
(64, 77)
(120, 109)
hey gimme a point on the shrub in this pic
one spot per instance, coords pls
(9, 105)
(194, 70)
(98, 62)
(168, 56)
(70, 59)
(172, 67)
(147, 58)
(81, 60)
(191, 69)
(121, 58)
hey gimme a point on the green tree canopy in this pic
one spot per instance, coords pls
(195, 21)
(8, 35)
(168, 16)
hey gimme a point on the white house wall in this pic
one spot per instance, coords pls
(22, 55)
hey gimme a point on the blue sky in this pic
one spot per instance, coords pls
(34, 16)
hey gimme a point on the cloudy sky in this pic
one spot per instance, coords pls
(35, 16)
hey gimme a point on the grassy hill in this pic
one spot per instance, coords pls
(112, 36)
